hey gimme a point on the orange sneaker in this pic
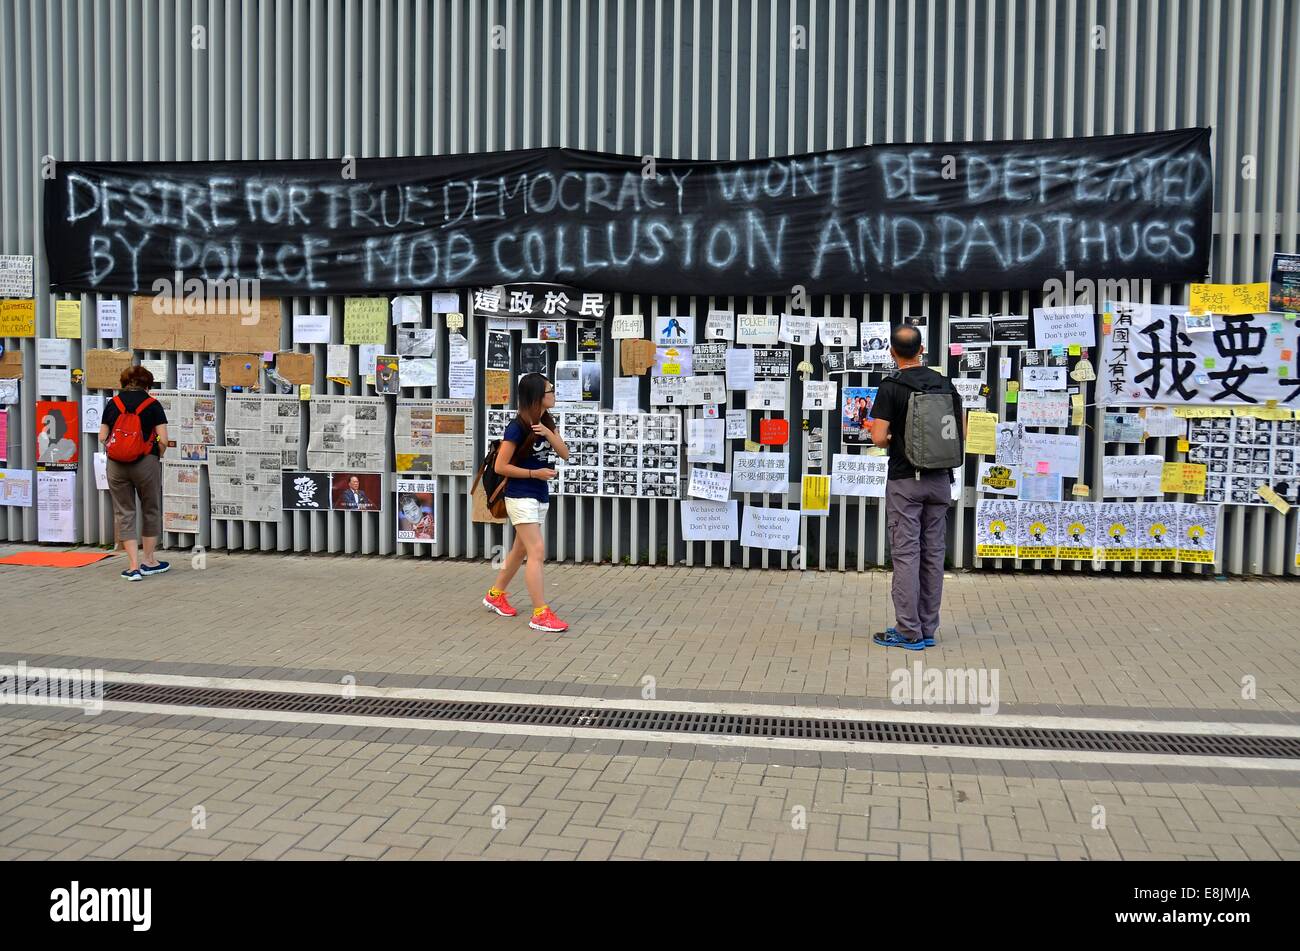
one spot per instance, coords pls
(499, 604)
(547, 621)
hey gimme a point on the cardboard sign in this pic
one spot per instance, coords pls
(297, 368)
(637, 356)
(104, 368)
(11, 365)
(208, 331)
(239, 369)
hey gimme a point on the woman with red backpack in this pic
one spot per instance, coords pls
(133, 432)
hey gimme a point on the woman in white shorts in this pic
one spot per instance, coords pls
(522, 459)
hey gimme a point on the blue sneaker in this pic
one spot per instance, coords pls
(929, 641)
(132, 574)
(891, 638)
(154, 569)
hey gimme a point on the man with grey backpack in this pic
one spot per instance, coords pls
(918, 417)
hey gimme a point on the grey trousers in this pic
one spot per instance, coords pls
(917, 514)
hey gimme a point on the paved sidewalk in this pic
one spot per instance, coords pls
(74, 789)
(129, 785)
(1121, 646)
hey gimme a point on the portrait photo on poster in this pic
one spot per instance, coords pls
(416, 519)
(855, 414)
(356, 491)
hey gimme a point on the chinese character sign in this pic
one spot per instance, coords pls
(1149, 358)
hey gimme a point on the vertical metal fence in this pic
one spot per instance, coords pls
(126, 80)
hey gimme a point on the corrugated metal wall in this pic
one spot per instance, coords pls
(128, 80)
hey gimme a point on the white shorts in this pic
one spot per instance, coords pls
(524, 511)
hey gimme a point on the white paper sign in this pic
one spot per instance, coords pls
(1131, 476)
(55, 352)
(186, 376)
(1059, 451)
(997, 479)
(1063, 326)
(314, 328)
(737, 424)
(1042, 378)
(92, 410)
(861, 475)
(761, 472)
(757, 328)
(770, 528)
(336, 359)
(969, 390)
(444, 303)
(674, 331)
(101, 471)
(838, 331)
(460, 380)
(706, 521)
(627, 327)
(407, 309)
(56, 494)
(798, 330)
(875, 341)
(16, 275)
(627, 394)
(705, 440)
(766, 395)
(1040, 488)
(713, 484)
(457, 348)
(820, 394)
(1044, 409)
(16, 487)
(721, 325)
(1160, 421)
(210, 371)
(53, 381)
(108, 319)
(568, 381)
(740, 368)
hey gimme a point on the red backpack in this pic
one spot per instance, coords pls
(126, 443)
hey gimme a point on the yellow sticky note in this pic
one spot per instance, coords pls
(67, 319)
(1229, 298)
(1184, 445)
(1013, 386)
(1082, 491)
(1187, 478)
(816, 494)
(1075, 349)
(981, 433)
(304, 391)
(1272, 498)
(455, 321)
(17, 318)
(751, 446)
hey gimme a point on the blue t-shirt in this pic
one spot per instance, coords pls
(539, 458)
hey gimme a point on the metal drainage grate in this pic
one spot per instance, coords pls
(720, 724)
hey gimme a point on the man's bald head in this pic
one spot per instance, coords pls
(905, 341)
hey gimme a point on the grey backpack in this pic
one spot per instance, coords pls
(933, 438)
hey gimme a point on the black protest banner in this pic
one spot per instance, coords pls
(886, 218)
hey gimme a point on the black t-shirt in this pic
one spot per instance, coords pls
(891, 405)
(150, 419)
